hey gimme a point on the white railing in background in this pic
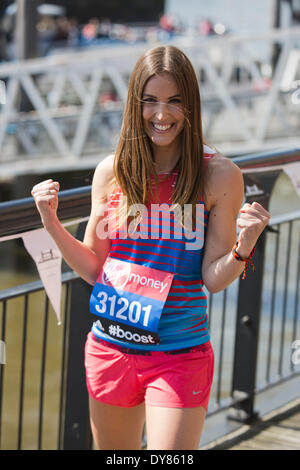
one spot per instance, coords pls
(72, 118)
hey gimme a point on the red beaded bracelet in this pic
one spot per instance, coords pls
(246, 260)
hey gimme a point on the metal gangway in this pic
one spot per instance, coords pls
(249, 103)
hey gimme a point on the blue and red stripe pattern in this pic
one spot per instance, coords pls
(162, 244)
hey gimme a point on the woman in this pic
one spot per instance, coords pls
(148, 355)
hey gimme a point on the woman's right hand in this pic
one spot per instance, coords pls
(45, 195)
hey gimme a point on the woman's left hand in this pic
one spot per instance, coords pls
(252, 221)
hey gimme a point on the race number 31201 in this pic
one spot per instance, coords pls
(121, 308)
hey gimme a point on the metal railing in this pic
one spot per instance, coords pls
(71, 115)
(26, 292)
(253, 325)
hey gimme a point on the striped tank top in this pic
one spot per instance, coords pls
(183, 322)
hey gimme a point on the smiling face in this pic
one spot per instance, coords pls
(163, 115)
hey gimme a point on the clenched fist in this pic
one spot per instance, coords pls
(45, 195)
(252, 221)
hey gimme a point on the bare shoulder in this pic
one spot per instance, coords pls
(105, 168)
(223, 178)
(103, 177)
(220, 167)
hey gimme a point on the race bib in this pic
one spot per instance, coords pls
(129, 300)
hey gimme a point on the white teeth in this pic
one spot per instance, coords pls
(161, 128)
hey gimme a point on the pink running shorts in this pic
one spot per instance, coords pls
(159, 378)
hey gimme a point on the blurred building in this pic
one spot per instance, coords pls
(65, 23)
(129, 11)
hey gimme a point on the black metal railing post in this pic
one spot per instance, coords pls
(76, 429)
(257, 188)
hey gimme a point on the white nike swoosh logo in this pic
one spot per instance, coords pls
(196, 393)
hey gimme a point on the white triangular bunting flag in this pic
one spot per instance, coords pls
(293, 171)
(48, 259)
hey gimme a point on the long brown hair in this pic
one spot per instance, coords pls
(134, 163)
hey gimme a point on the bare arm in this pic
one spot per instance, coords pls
(226, 193)
(87, 257)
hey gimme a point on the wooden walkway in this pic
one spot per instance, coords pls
(279, 430)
